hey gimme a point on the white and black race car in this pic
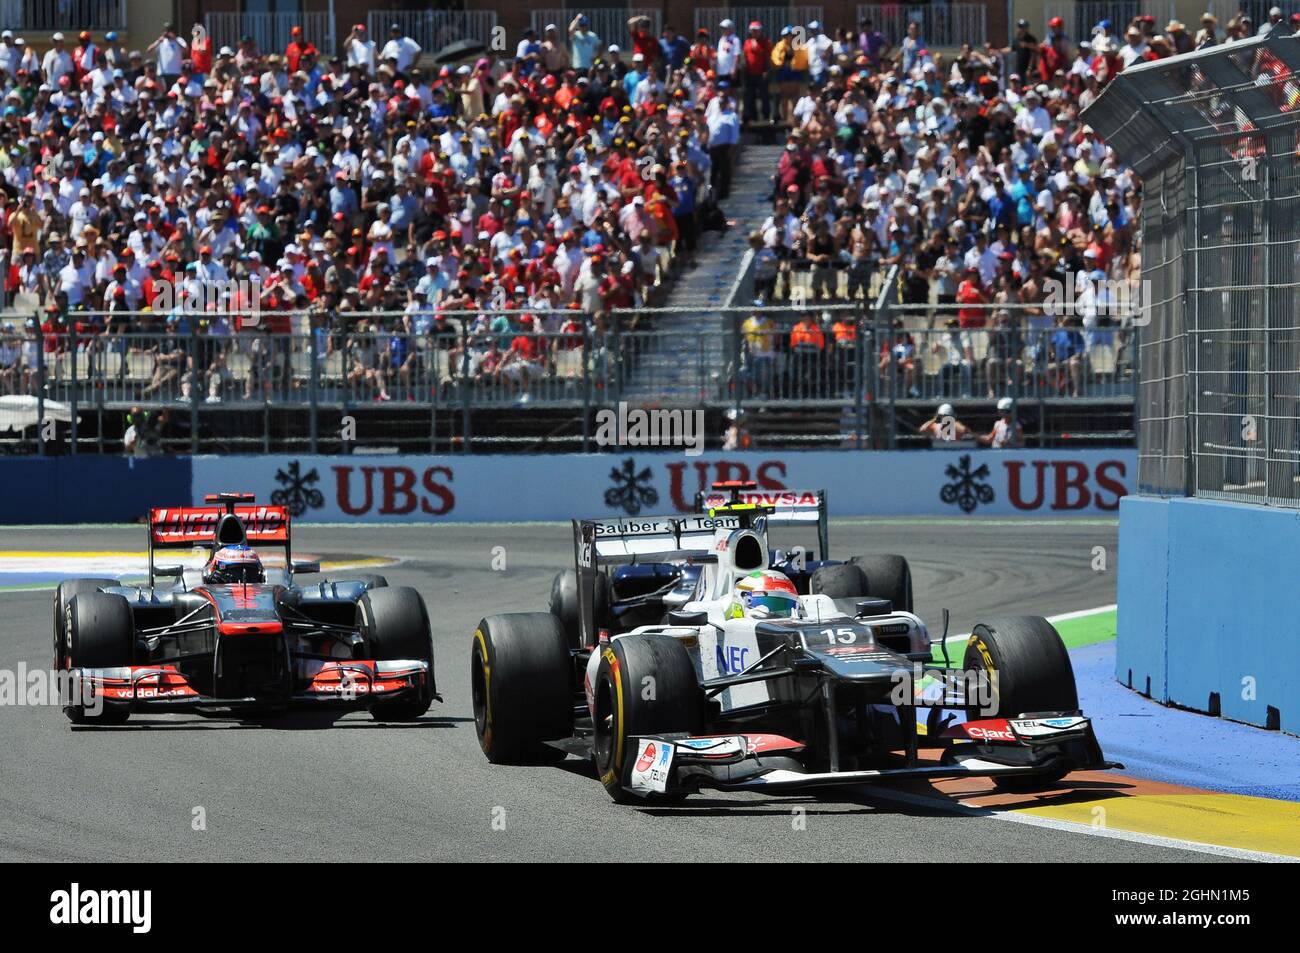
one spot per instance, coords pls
(843, 692)
(261, 645)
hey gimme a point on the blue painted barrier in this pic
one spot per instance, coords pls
(1206, 608)
(89, 489)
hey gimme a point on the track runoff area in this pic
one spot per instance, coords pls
(1194, 789)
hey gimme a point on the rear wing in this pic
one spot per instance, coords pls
(228, 523)
(784, 507)
(605, 542)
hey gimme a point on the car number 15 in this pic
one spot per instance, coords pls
(841, 635)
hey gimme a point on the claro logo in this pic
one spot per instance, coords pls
(1071, 485)
(394, 491)
(76, 906)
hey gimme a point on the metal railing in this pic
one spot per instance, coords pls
(942, 24)
(608, 23)
(1081, 16)
(434, 29)
(858, 361)
(773, 17)
(271, 31)
(1257, 10)
(49, 15)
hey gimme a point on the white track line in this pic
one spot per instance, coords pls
(1070, 827)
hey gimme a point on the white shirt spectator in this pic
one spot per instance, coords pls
(403, 49)
(170, 51)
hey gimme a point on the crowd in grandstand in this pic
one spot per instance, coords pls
(371, 196)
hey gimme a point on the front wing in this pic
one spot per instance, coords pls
(1033, 745)
(345, 683)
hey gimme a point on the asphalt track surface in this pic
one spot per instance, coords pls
(298, 789)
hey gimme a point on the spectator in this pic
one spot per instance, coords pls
(756, 62)
(1006, 433)
(944, 427)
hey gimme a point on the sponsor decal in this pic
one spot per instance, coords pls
(732, 659)
(631, 491)
(651, 770)
(297, 492)
(402, 491)
(969, 487)
(989, 731)
(189, 524)
(644, 486)
(1075, 486)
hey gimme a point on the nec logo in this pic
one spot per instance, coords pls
(732, 658)
(95, 907)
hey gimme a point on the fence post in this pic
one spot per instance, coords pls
(313, 349)
(737, 354)
(859, 354)
(193, 358)
(586, 387)
(72, 338)
(464, 388)
(40, 382)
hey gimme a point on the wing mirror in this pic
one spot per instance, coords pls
(176, 570)
(306, 565)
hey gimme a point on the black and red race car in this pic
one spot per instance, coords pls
(222, 647)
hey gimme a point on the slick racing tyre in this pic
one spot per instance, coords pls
(841, 581)
(62, 596)
(395, 625)
(888, 577)
(100, 634)
(645, 685)
(521, 682)
(564, 603)
(1028, 670)
(374, 580)
(880, 577)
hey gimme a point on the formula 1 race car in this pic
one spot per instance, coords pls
(730, 694)
(235, 636)
(643, 592)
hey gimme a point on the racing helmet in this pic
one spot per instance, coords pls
(234, 564)
(765, 594)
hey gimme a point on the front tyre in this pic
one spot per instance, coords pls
(521, 683)
(645, 685)
(394, 623)
(101, 634)
(1023, 667)
(62, 596)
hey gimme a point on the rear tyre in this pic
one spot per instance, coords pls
(521, 682)
(1029, 671)
(840, 581)
(645, 685)
(888, 577)
(564, 603)
(101, 634)
(62, 596)
(395, 625)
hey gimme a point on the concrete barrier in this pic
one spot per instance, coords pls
(1207, 618)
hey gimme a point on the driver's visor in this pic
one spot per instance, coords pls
(776, 603)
